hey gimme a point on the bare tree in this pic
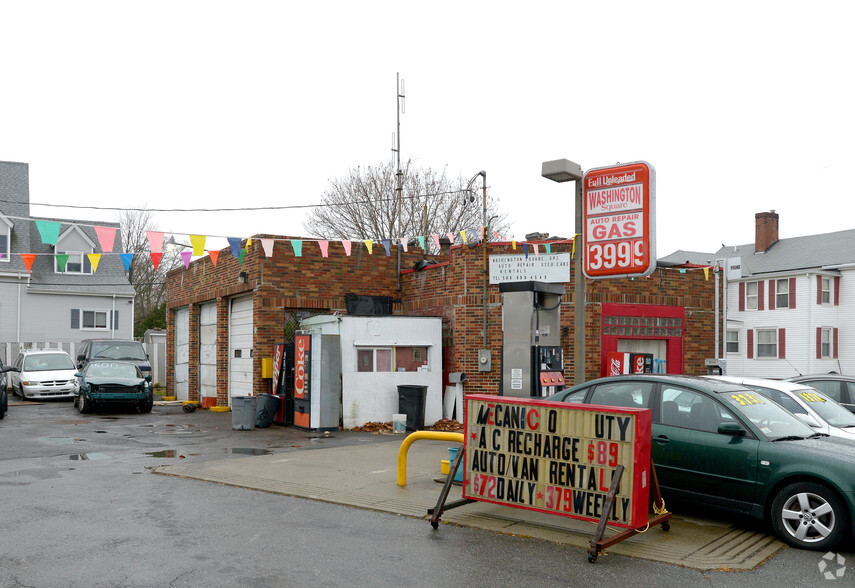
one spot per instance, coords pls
(365, 205)
(149, 284)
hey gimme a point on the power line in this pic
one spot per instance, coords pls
(238, 209)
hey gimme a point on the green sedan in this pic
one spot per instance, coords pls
(728, 447)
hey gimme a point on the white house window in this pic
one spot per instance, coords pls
(732, 341)
(94, 319)
(381, 359)
(78, 263)
(782, 293)
(751, 296)
(4, 243)
(767, 343)
(826, 290)
(825, 343)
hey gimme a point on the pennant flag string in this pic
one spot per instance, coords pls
(325, 248)
(49, 231)
(94, 258)
(198, 242)
(155, 241)
(106, 238)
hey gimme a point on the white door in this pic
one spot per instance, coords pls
(240, 347)
(182, 353)
(208, 350)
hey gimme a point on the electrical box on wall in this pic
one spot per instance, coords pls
(484, 360)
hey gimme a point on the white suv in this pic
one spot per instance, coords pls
(44, 373)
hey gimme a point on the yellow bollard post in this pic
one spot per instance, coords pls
(413, 437)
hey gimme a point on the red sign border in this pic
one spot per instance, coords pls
(649, 207)
(641, 469)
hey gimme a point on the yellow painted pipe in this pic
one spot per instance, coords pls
(411, 438)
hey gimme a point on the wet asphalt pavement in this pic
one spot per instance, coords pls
(79, 506)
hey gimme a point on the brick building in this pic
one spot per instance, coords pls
(670, 312)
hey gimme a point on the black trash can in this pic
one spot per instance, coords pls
(411, 402)
(265, 410)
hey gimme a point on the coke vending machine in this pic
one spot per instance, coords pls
(317, 380)
(623, 362)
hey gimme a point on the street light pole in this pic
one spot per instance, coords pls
(563, 170)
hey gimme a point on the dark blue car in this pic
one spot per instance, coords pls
(109, 382)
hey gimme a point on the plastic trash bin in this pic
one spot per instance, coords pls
(265, 410)
(411, 402)
(452, 453)
(243, 412)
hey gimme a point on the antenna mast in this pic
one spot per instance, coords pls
(396, 143)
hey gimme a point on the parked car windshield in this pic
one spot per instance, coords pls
(111, 369)
(118, 350)
(43, 362)
(830, 411)
(771, 419)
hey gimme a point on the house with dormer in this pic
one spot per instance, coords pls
(60, 297)
(789, 307)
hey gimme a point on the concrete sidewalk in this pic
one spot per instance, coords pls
(365, 476)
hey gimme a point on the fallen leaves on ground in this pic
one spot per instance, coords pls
(380, 427)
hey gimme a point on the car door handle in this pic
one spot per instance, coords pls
(661, 439)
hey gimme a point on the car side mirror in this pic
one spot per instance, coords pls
(808, 420)
(78, 375)
(733, 429)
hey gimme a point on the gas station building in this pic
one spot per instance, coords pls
(223, 320)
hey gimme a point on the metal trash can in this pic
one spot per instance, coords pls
(243, 412)
(411, 402)
(265, 410)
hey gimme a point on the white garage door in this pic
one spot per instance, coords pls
(240, 347)
(182, 353)
(208, 350)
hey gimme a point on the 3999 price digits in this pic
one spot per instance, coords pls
(623, 254)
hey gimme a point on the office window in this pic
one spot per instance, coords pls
(732, 343)
(751, 296)
(767, 343)
(381, 359)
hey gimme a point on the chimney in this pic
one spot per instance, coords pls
(765, 230)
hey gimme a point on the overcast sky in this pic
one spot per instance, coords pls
(741, 107)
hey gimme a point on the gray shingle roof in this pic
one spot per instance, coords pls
(110, 277)
(796, 253)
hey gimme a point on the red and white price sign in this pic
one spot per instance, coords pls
(619, 218)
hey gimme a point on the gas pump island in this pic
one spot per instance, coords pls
(579, 461)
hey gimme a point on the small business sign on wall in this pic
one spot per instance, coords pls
(549, 267)
(558, 458)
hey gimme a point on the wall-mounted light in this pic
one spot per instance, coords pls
(242, 278)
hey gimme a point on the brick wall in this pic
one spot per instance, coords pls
(451, 289)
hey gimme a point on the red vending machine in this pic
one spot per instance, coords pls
(317, 377)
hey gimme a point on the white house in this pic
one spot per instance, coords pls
(790, 303)
(46, 303)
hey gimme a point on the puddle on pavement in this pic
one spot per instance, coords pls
(89, 456)
(248, 451)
